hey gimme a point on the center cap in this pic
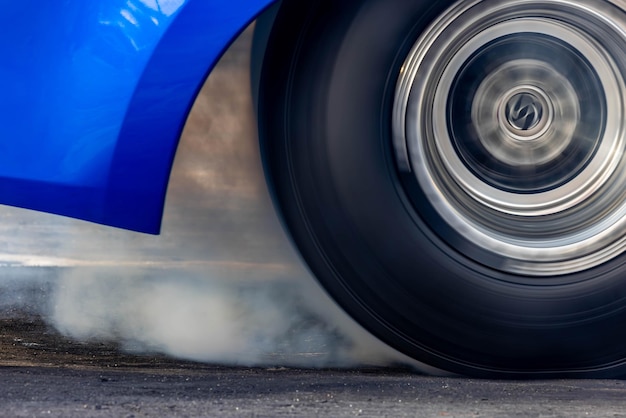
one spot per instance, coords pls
(524, 111)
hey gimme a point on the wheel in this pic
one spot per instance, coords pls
(454, 174)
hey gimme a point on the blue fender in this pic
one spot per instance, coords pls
(94, 95)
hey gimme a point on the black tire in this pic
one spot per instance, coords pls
(327, 95)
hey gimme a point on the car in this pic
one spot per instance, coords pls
(452, 171)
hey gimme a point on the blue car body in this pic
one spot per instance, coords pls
(94, 96)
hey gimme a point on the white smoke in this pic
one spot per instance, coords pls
(222, 283)
(198, 318)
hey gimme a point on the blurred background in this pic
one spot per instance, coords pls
(222, 284)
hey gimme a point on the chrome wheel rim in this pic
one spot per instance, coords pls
(510, 117)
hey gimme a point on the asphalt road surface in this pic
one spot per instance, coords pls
(45, 374)
(46, 369)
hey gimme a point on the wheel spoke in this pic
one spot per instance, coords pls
(533, 119)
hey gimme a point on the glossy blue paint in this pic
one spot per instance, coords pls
(94, 96)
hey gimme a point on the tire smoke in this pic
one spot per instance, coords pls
(221, 284)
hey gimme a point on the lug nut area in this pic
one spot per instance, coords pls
(525, 113)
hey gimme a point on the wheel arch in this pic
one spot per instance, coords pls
(91, 122)
(211, 27)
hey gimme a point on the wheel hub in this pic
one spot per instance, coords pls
(524, 111)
